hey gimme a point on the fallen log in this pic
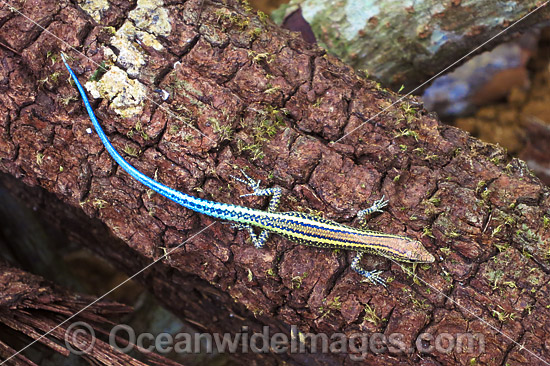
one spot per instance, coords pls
(192, 91)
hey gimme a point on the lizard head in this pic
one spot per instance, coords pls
(399, 248)
(416, 253)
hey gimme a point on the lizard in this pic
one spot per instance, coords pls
(298, 227)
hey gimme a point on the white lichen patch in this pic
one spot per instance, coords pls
(94, 8)
(126, 95)
(130, 55)
(148, 20)
(150, 16)
(109, 56)
(149, 40)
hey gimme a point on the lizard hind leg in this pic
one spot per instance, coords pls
(372, 276)
(257, 240)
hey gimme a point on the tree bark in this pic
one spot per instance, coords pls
(195, 90)
(406, 43)
(32, 306)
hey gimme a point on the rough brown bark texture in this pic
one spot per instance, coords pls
(264, 99)
(31, 306)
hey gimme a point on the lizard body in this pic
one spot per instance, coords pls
(299, 227)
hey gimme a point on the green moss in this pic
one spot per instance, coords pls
(502, 315)
(417, 303)
(453, 234)
(66, 100)
(272, 90)
(408, 109)
(264, 127)
(528, 237)
(446, 251)
(255, 32)
(407, 133)
(263, 17)
(39, 158)
(259, 57)
(138, 127)
(335, 303)
(502, 247)
(230, 18)
(246, 6)
(132, 151)
(109, 30)
(99, 203)
(99, 72)
(297, 280)
(509, 220)
(53, 57)
(427, 231)
(174, 128)
(370, 315)
(180, 84)
(494, 277)
(435, 201)
(54, 76)
(224, 131)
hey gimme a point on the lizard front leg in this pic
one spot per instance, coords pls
(372, 276)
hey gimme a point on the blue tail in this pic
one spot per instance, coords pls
(216, 209)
